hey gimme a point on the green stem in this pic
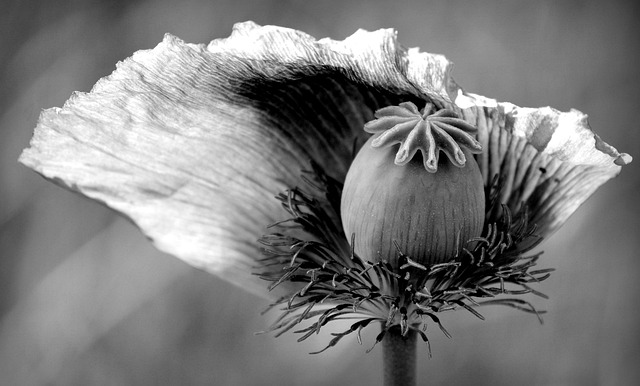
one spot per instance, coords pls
(399, 357)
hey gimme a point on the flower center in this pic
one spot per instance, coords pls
(329, 282)
(415, 241)
(426, 130)
(427, 209)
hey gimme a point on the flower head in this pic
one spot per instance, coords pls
(193, 141)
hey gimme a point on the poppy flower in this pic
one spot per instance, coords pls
(234, 156)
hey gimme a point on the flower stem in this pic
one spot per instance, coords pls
(399, 357)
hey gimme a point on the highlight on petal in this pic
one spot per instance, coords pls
(547, 160)
(192, 142)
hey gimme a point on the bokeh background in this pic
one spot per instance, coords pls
(86, 300)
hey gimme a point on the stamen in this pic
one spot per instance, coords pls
(330, 282)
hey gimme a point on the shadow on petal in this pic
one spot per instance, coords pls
(192, 144)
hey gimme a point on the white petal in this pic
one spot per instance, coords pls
(551, 161)
(191, 142)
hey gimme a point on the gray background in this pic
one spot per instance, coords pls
(85, 299)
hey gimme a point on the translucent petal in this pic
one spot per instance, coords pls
(192, 142)
(548, 160)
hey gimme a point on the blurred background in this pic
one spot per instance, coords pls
(86, 300)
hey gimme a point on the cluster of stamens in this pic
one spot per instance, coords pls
(330, 283)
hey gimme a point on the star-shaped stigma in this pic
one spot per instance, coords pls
(428, 130)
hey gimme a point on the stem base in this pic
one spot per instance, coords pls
(399, 357)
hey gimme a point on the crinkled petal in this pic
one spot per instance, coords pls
(548, 161)
(192, 142)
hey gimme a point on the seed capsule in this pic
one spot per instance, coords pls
(428, 205)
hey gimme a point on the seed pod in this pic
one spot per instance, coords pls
(428, 205)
